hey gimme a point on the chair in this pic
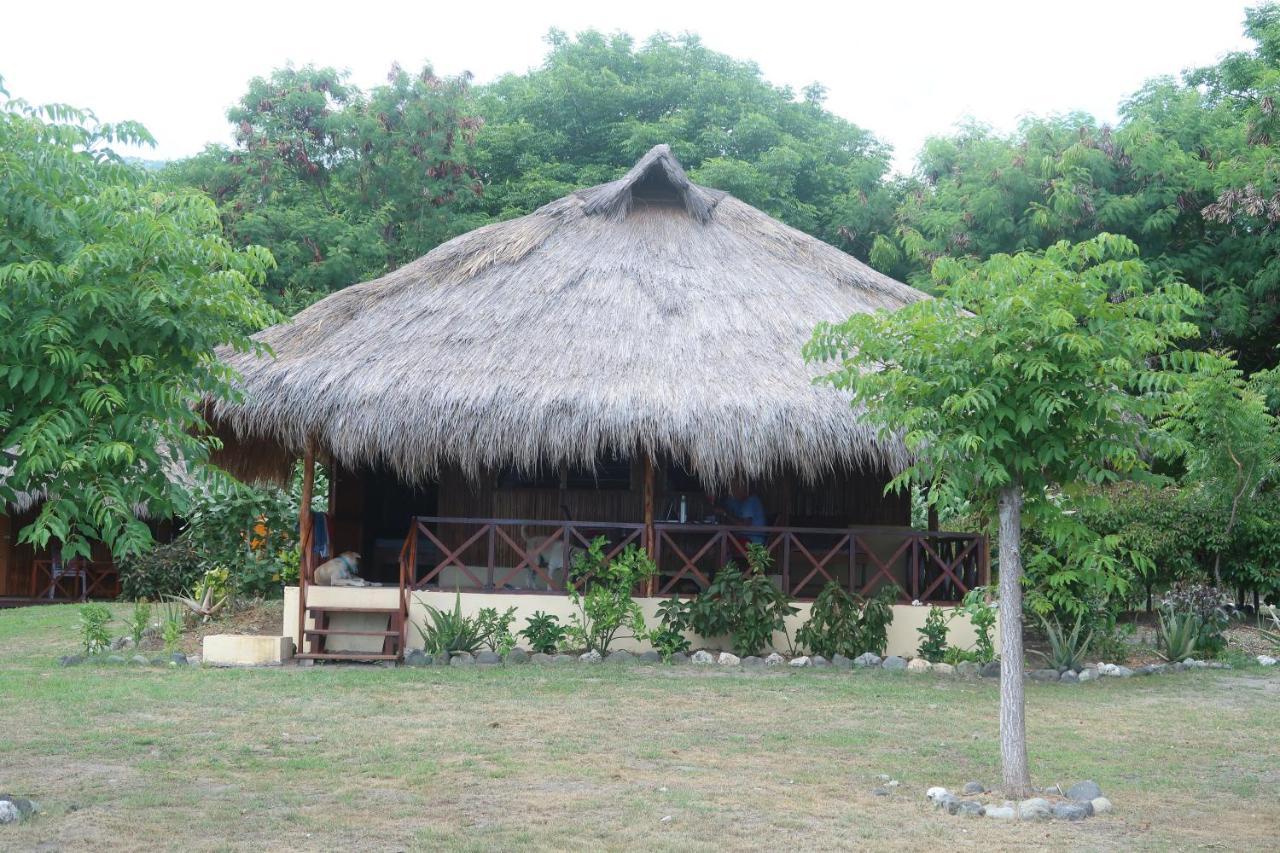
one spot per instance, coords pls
(61, 570)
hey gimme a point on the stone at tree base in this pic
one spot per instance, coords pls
(620, 656)
(115, 659)
(967, 669)
(9, 812)
(461, 659)
(1266, 660)
(800, 661)
(541, 658)
(678, 658)
(159, 660)
(893, 662)
(967, 808)
(867, 659)
(702, 657)
(139, 660)
(417, 657)
(517, 656)
(1044, 675)
(819, 660)
(488, 658)
(1084, 791)
(919, 665)
(1070, 677)
(440, 659)
(1101, 805)
(973, 788)
(774, 659)
(561, 660)
(592, 656)
(727, 659)
(936, 793)
(880, 792)
(1071, 811)
(943, 669)
(178, 658)
(70, 660)
(839, 660)
(990, 669)
(753, 661)
(1036, 808)
(1088, 674)
(650, 656)
(1001, 812)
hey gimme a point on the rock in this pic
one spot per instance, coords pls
(650, 656)
(193, 660)
(919, 665)
(967, 808)
(417, 657)
(893, 783)
(139, 660)
(9, 812)
(70, 660)
(867, 659)
(1088, 674)
(944, 669)
(1178, 666)
(973, 788)
(1044, 675)
(488, 658)
(461, 659)
(840, 661)
(774, 659)
(967, 669)
(678, 658)
(620, 656)
(1036, 808)
(990, 669)
(517, 656)
(1070, 677)
(1052, 790)
(562, 660)
(702, 657)
(116, 659)
(800, 661)
(1001, 812)
(819, 660)
(947, 802)
(120, 643)
(592, 656)
(1122, 672)
(1084, 791)
(178, 658)
(541, 658)
(880, 792)
(159, 660)
(26, 808)
(1101, 805)
(727, 659)
(753, 661)
(1266, 660)
(440, 658)
(1071, 811)
(893, 662)
(936, 793)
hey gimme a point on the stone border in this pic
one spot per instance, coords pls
(1082, 800)
(174, 660)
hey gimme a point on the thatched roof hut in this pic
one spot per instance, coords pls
(648, 314)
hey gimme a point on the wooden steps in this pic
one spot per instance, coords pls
(355, 656)
(317, 637)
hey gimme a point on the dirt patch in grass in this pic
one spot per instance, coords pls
(248, 617)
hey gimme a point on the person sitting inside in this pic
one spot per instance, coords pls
(743, 508)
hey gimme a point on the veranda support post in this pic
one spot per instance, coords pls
(305, 534)
(650, 543)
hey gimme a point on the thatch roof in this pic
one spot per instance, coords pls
(648, 313)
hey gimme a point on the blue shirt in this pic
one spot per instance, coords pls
(752, 510)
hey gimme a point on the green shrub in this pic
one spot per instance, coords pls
(841, 622)
(1206, 603)
(606, 608)
(674, 619)
(449, 631)
(139, 621)
(1179, 634)
(544, 632)
(982, 616)
(1066, 649)
(168, 569)
(746, 607)
(94, 636)
(933, 636)
(495, 628)
(955, 655)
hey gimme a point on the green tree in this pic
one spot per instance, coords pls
(1031, 375)
(599, 102)
(341, 185)
(113, 294)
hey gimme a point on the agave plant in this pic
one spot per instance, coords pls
(1179, 634)
(449, 631)
(1066, 650)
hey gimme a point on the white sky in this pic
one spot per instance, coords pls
(905, 70)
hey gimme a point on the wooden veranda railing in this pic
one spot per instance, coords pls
(533, 556)
(73, 579)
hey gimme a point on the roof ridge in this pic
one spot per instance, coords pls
(614, 199)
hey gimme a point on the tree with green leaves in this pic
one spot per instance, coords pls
(1030, 376)
(114, 292)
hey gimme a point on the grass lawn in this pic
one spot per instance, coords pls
(369, 758)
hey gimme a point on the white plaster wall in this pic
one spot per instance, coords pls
(902, 633)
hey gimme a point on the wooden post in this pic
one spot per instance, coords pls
(305, 539)
(650, 536)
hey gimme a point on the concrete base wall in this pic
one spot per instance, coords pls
(245, 650)
(903, 636)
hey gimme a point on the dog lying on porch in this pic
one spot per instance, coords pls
(342, 570)
(551, 558)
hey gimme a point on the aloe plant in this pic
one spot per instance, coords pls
(1179, 634)
(1066, 650)
(449, 631)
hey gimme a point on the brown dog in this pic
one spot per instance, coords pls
(340, 571)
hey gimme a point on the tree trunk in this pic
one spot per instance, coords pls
(1013, 726)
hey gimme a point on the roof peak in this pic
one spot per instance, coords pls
(615, 198)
